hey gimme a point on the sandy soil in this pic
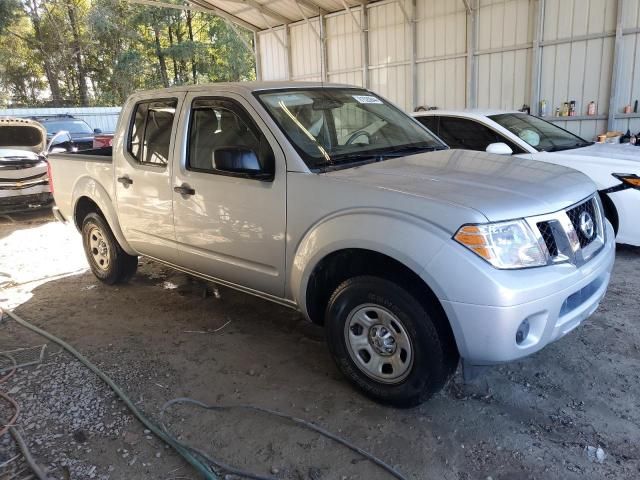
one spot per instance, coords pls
(160, 338)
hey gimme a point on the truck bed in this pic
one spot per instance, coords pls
(72, 170)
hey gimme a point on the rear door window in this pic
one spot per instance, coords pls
(431, 122)
(470, 135)
(150, 135)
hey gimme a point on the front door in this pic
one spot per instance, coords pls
(143, 185)
(230, 225)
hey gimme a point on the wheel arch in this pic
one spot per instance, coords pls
(386, 244)
(90, 196)
(610, 211)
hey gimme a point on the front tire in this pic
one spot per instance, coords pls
(387, 343)
(108, 261)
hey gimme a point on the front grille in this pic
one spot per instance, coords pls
(573, 235)
(549, 239)
(575, 215)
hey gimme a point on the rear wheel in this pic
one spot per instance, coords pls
(387, 342)
(108, 261)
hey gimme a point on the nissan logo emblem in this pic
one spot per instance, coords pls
(586, 224)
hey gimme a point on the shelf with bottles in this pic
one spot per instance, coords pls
(576, 118)
(618, 116)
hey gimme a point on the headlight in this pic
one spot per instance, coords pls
(505, 245)
(630, 179)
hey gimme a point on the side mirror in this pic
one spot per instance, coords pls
(499, 149)
(239, 162)
(62, 139)
(97, 131)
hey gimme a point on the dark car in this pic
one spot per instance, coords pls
(81, 133)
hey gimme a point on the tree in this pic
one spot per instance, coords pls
(97, 52)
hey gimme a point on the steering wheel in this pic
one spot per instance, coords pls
(357, 134)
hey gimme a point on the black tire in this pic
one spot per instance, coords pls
(434, 358)
(610, 212)
(117, 265)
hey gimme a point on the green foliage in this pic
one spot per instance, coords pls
(49, 49)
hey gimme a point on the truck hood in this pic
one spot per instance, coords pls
(22, 134)
(499, 187)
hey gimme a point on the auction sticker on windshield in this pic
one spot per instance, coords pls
(366, 99)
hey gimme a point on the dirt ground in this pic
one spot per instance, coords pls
(159, 337)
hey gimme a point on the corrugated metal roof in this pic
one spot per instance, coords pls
(266, 14)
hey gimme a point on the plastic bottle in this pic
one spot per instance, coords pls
(543, 108)
(572, 108)
(591, 109)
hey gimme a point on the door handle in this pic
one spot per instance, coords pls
(184, 189)
(125, 180)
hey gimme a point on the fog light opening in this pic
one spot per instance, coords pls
(523, 332)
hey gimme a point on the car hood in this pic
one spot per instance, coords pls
(499, 187)
(22, 134)
(618, 154)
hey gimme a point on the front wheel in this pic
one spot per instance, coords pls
(108, 261)
(387, 343)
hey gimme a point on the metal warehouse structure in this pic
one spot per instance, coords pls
(455, 53)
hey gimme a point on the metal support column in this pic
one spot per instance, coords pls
(364, 28)
(472, 7)
(617, 68)
(536, 57)
(414, 54)
(287, 43)
(323, 48)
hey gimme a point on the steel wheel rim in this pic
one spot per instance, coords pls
(378, 343)
(98, 248)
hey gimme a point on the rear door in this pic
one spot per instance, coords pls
(143, 177)
(229, 226)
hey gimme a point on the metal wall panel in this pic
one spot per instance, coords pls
(390, 52)
(389, 33)
(441, 44)
(306, 51)
(273, 56)
(344, 47)
(393, 83)
(504, 55)
(629, 90)
(578, 70)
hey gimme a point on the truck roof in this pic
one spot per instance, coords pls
(251, 86)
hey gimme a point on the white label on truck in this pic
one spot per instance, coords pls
(366, 99)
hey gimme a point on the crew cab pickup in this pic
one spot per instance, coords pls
(330, 200)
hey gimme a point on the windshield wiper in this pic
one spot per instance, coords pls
(569, 147)
(410, 149)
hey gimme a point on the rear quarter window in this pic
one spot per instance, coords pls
(150, 133)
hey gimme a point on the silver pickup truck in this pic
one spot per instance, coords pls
(330, 200)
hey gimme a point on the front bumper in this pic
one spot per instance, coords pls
(626, 203)
(557, 302)
(24, 203)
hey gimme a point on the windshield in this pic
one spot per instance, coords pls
(541, 135)
(337, 127)
(71, 126)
